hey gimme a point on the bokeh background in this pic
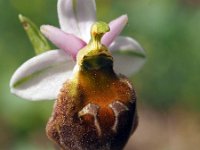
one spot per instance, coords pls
(168, 86)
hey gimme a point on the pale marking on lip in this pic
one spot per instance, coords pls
(127, 82)
(117, 108)
(129, 85)
(91, 109)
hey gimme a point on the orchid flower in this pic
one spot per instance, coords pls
(41, 77)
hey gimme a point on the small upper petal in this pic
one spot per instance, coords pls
(41, 77)
(116, 27)
(128, 55)
(68, 42)
(77, 16)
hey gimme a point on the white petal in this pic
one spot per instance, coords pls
(67, 17)
(128, 55)
(77, 16)
(41, 77)
(86, 16)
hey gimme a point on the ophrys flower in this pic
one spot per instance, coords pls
(95, 106)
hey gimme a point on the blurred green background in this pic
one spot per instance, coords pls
(168, 86)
